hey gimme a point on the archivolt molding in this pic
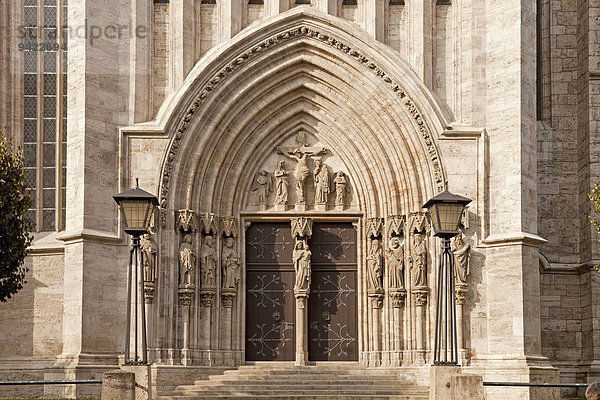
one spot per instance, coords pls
(275, 40)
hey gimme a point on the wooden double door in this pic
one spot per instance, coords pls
(270, 303)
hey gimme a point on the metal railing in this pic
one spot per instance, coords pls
(537, 384)
(75, 382)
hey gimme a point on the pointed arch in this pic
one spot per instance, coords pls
(302, 68)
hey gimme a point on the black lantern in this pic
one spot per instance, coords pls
(137, 207)
(445, 211)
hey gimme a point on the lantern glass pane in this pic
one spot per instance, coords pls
(136, 213)
(449, 215)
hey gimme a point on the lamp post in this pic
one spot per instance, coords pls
(136, 207)
(445, 211)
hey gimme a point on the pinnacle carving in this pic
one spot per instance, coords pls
(186, 221)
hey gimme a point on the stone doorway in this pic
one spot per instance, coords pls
(332, 304)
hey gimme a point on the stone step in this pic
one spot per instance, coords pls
(301, 397)
(292, 386)
(315, 372)
(317, 390)
(341, 377)
(279, 381)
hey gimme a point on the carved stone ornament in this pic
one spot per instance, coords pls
(461, 293)
(418, 221)
(185, 296)
(396, 225)
(301, 259)
(262, 185)
(238, 62)
(281, 184)
(148, 292)
(374, 226)
(230, 265)
(322, 182)
(302, 227)
(374, 265)
(206, 298)
(376, 298)
(421, 295)
(229, 226)
(464, 218)
(419, 255)
(187, 261)
(398, 297)
(227, 298)
(149, 258)
(209, 223)
(341, 188)
(208, 262)
(186, 221)
(462, 259)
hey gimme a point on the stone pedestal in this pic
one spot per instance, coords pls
(321, 207)
(280, 207)
(301, 327)
(440, 386)
(143, 380)
(118, 385)
(206, 302)
(461, 293)
(227, 299)
(301, 207)
(339, 208)
(398, 298)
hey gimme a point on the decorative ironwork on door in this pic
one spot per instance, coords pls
(270, 304)
(332, 305)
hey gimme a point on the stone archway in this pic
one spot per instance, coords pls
(301, 73)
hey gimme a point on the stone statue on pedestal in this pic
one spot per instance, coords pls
(187, 261)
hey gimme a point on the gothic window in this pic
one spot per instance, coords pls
(396, 2)
(208, 25)
(396, 26)
(298, 2)
(443, 3)
(45, 110)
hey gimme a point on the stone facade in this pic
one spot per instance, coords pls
(237, 113)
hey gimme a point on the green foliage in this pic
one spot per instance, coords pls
(14, 227)
(595, 197)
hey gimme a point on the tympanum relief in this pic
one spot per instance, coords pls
(302, 179)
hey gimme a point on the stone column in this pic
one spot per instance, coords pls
(372, 18)
(376, 300)
(230, 18)
(420, 39)
(327, 6)
(206, 302)
(148, 300)
(398, 298)
(227, 299)
(301, 231)
(182, 41)
(301, 327)
(185, 301)
(421, 294)
(275, 7)
(461, 293)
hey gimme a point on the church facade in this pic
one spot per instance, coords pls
(291, 145)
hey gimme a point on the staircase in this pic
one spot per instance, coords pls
(284, 381)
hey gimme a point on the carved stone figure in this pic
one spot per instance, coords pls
(340, 188)
(321, 178)
(301, 257)
(462, 259)
(209, 261)
(419, 259)
(230, 263)
(395, 263)
(301, 155)
(187, 261)
(374, 265)
(281, 183)
(263, 184)
(149, 251)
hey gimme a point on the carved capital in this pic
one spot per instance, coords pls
(148, 292)
(227, 298)
(395, 225)
(206, 298)
(461, 293)
(374, 226)
(376, 297)
(421, 295)
(302, 227)
(186, 221)
(185, 295)
(398, 297)
(229, 226)
(209, 223)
